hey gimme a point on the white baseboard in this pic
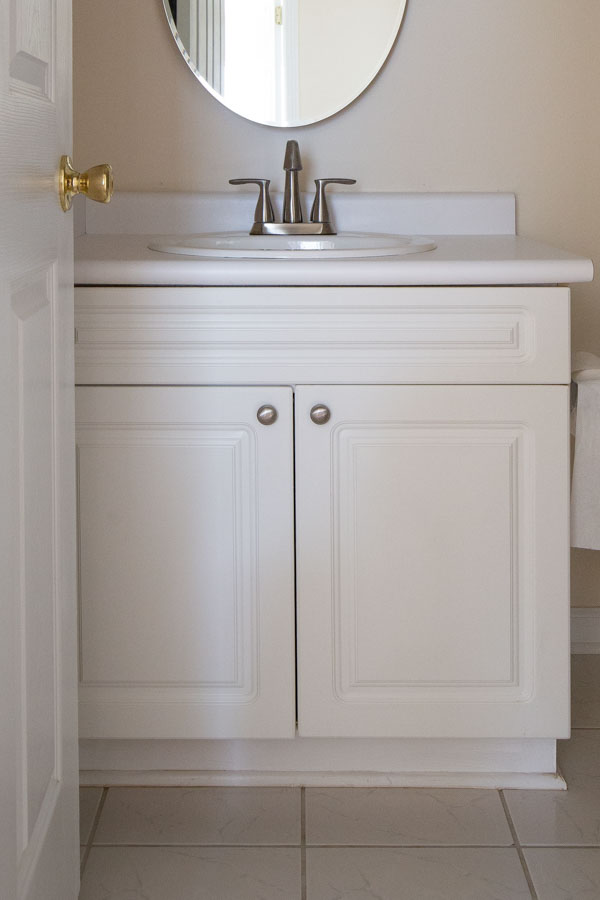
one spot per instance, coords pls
(585, 630)
(316, 762)
(543, 781)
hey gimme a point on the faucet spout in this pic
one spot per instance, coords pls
(292, 164)
(292, 159)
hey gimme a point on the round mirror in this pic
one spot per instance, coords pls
(285, 62)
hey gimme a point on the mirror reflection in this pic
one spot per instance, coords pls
(285, 62)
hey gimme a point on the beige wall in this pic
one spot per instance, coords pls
(477, 95)
(352, 39)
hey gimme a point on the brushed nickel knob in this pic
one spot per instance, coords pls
(266, 415)
(320, 414)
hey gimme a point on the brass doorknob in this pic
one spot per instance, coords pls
(96, 183)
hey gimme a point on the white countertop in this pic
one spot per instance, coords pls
(475, 236)
(125, 259)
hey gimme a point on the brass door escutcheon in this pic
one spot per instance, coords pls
(96, 183)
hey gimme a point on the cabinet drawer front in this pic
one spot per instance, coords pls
(322, 335)
(432, 553)
(186, 563)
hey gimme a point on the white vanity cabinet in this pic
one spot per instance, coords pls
(431, 512)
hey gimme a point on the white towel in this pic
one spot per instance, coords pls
(585, 487)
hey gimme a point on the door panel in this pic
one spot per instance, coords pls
(427, 516)
(186, 563)
(427, 581)
(32, 45)
(39, 853)
(32, 306)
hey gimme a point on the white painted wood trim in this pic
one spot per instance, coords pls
(585, 630)
(405, 335)
(543, 781)
(497, 763)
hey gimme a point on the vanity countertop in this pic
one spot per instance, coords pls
(125, 259)
(474, 233)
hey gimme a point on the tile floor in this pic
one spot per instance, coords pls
(355, 844)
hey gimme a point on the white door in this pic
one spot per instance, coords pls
(186, 553)
(432, 553)
(38, 736)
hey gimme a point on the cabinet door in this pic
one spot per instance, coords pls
(432, 553)
(186, 563)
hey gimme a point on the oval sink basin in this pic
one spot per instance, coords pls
(242, 245)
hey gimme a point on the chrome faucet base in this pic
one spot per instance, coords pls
(292, 228)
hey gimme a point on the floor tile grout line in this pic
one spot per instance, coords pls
(518, 848)
(363, 846)
(181, 845)
(359, 846)
(531, 846)
(303, 889)
(93, 829)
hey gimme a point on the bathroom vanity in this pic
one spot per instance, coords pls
(325, 502)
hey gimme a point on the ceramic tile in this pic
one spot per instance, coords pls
(585, 690)
(555, 818)
(192, 873)
(200, 816)
(415, 874)
(579, 757)
(565, 874)
(572, 817)
(89, 799)
(405, 816)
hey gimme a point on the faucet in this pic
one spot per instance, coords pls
(264, 217)
(292, 164)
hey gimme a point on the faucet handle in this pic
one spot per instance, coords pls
(319, 211)
(264, 209)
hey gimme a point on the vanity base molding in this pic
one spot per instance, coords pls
(308, 762)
